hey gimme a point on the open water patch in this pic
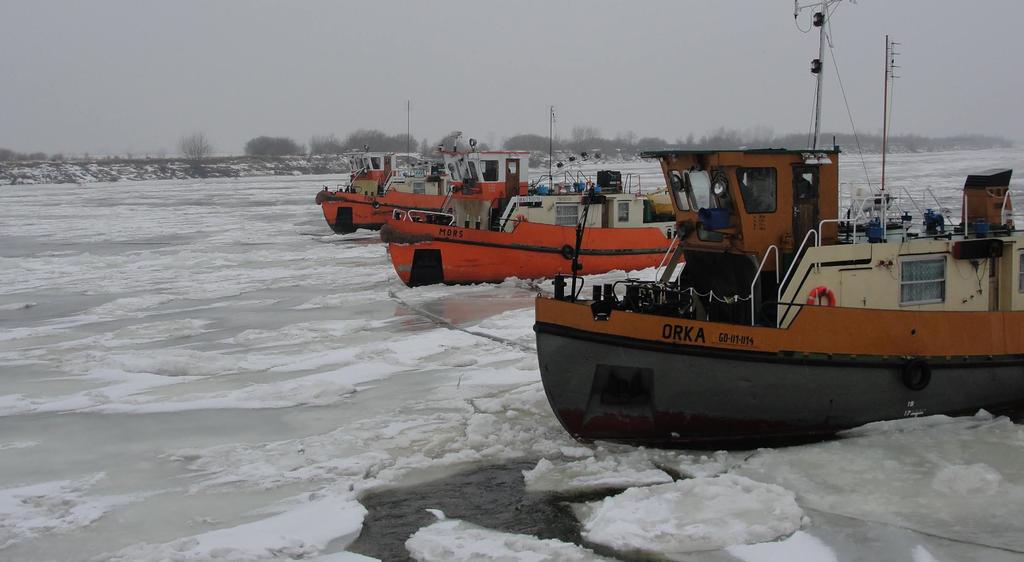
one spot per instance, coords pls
(494, 497)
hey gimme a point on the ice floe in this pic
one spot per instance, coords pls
(593, 474)
(798, 547)
(299, 532)
(452, 540)
(670, 520)
(897, 473)
(53, 507)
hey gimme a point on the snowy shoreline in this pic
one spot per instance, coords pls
(117, 170)
(113, 170)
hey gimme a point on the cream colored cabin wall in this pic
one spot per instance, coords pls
(636, 211)
(1010, 291)
(876, 284)
(471, 209)
(405, 185)
(545, 214)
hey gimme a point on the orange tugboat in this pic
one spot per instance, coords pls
(377, 187)
(741, 348)
(783, 329)
(493, 228)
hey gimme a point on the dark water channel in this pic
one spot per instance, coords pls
(494, 497)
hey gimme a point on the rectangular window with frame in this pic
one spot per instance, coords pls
(623, 211)
(758, 189)
(567, 214)
(419, 187)
(1020, 272)
(922, 280)
(682, 200)
(490, 170)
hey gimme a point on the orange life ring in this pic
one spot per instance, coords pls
(821, 291)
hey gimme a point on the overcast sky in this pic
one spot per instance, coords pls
(134, 76)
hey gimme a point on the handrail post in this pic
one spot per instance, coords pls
(757, 275)
(1002, 210)
(778, 321)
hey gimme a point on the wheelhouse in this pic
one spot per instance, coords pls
(762, 235)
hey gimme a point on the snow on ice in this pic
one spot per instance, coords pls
(59, 506)
(691, 515)
(299, 532)
(452, 540)
(231, 379)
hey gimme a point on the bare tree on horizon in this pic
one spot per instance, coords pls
(195, 148)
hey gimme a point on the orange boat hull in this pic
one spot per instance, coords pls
(347, 212)
(423, 253)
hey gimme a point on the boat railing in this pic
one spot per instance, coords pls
(821, 226)
(507, 214)
(1004, 217)
(912, 200)
(792, 266)
(448, 197)
(566, 178)
(421, 215)
(388, 180)
(866, 207)
(757, 275)
(938, 204)
(668, 252)
(627, 184)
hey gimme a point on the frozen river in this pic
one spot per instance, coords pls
(203, 370)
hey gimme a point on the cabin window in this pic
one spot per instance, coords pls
(376, 162)
(472, 171)
(679, 191)
(490, 170)
(758, 189)
(419, 187)
(567, 214)
(1020, 270)
(623, 211)
(922, 280)
(700, 185)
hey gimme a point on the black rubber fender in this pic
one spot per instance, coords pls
(916, 374)
(568, 252)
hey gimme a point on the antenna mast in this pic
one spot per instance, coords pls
(408, 136)
(819, 69)
(819, 20)
(551, 144)
(890, 74)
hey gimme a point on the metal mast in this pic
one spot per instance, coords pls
(818, 68)
(819, 20)
(551, 144)
(890, 68)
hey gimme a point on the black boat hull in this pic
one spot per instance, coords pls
(641, 392)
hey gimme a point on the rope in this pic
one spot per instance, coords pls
(892, 100)
(919, 531)
(810, 126)
(445, 323)
(849, 113)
